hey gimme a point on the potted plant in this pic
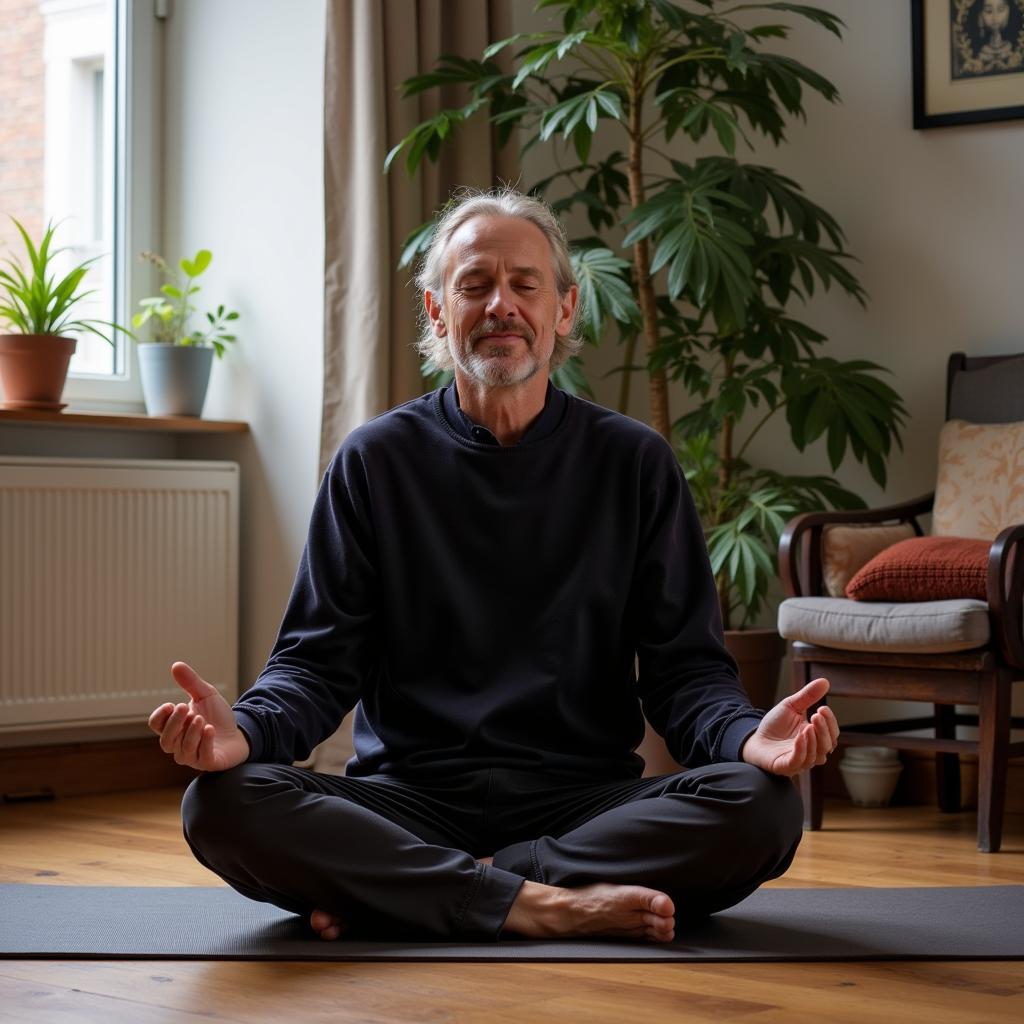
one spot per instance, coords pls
(175, 361)
(36, 353)
(714, 250)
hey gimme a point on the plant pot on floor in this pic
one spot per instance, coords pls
(759, 654)
(174, 378)
(871, 774)
(33, 369)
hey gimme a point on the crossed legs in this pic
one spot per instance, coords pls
(495, 851)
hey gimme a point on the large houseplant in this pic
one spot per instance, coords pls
(714, 249)
(175, 361)
(40, 310)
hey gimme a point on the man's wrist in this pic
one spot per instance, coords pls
(735, 736)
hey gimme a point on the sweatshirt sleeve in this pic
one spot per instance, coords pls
(688, 683)
(326, 646)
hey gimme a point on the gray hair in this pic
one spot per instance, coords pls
(465, 204)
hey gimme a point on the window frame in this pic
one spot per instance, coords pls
(138, 194)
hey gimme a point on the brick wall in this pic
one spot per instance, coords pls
(21, 121)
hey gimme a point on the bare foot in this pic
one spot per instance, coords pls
(327, 926)
(622, 911)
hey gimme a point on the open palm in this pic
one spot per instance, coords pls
(202, 734)
(787, 742)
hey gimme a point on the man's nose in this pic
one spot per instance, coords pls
(501, 302)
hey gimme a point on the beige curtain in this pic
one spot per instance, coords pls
(370, 308)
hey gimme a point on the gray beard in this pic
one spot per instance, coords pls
(493, 371)
(496, 373)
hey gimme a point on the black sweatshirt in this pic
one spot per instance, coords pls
(486, 605)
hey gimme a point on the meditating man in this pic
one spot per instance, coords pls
(501, 579)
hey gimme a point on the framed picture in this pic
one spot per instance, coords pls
(968, 61)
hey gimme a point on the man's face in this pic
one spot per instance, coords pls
(501, 308)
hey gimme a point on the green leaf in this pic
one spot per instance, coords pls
(604, 290)
(416, 241)
(194, 267)
(535, 60)
(495, 48)
(570, 41)
(570, 377)
(823, 18)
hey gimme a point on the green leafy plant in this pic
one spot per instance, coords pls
(32, 301)
(169, 313)
(699, 259)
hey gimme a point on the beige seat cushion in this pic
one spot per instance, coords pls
(980, 486)
(926, 627)
(847, 547)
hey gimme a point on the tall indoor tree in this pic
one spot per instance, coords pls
(699, 257)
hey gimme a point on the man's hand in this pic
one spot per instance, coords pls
(203, 733)
(785, 742)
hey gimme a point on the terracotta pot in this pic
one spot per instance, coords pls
(759, 654)
(33, 368)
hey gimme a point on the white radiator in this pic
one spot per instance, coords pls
(110, 570)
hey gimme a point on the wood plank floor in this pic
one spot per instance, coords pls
(135, 839)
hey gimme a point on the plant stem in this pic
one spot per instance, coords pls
(627, 372)
(660, 419)
(724, 480)
(725, 437)
(750, 437)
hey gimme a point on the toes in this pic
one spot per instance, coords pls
(657, 922)
(662, 905)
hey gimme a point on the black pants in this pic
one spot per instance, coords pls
(396, 857)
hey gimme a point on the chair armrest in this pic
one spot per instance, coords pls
(1006, 593)
(800, 556)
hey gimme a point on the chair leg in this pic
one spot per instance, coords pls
(812, 792)
(993, 743)
(947, 766)
(811, 783)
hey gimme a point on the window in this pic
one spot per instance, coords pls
(74, 77)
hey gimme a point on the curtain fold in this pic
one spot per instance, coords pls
(370, 307)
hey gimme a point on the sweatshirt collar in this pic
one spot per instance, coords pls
(545, 424)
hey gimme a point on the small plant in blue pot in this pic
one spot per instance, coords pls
(175, 361)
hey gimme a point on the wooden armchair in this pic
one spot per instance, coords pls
(973, 662)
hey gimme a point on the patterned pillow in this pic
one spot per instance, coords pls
(846, 547)
(924, 569)
(980, 485)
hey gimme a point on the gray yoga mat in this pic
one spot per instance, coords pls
(107, 922)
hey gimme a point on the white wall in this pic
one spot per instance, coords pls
(244, 177)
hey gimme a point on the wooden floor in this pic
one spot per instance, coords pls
(134, 839)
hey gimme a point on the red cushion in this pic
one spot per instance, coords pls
(924, 569)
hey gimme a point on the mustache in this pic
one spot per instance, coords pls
(501, 327)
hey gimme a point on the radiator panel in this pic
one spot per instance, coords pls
(109, 571)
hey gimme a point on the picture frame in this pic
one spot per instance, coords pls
(968, 61)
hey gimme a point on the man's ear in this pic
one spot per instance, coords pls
(567, 310)
(433, 309)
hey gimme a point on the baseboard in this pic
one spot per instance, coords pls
(76, 769)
